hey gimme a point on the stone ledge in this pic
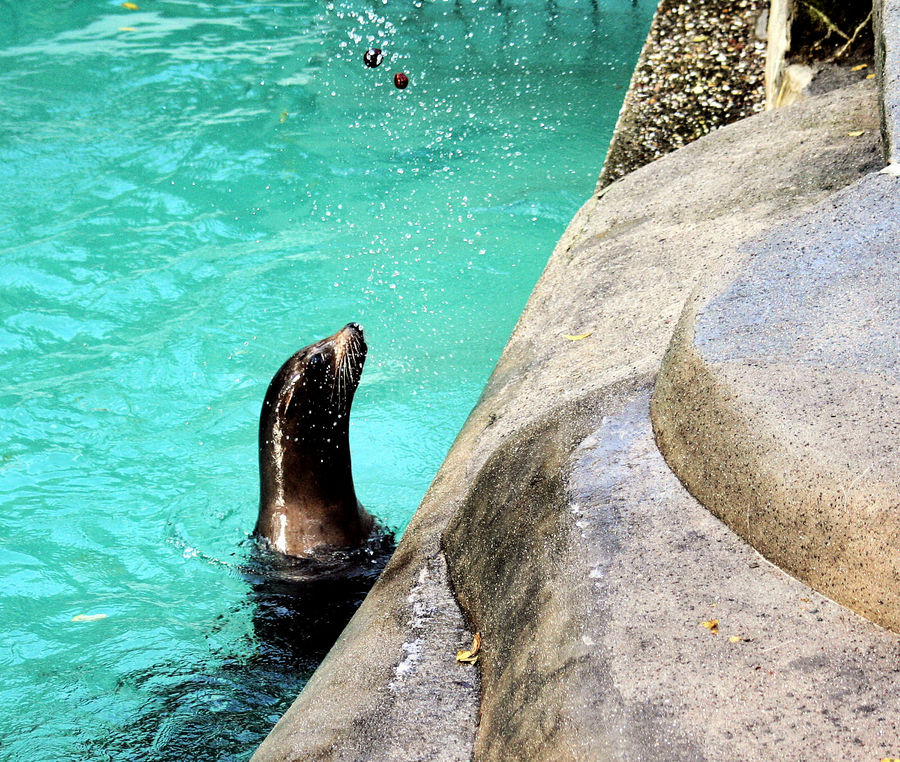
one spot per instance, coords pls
(591, 576)
(778, 404)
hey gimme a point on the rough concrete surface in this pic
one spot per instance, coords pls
(778, 404)
(576, 554)
(390, 688)
(596, 647)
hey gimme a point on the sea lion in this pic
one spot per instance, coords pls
(307, 501)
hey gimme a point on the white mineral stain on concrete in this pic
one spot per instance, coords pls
(417, 623)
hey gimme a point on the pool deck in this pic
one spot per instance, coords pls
(673, 514)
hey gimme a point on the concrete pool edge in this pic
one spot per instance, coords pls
(622, 272)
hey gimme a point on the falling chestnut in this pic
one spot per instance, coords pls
(373, 57)
(400, 80)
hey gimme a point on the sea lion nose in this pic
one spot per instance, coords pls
(354, 327)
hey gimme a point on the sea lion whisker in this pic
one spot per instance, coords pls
(353, 355)
(345, 379)
(339, 387)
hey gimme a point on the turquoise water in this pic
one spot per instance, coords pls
(189, 192)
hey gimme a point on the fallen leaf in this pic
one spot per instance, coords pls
(870, 76)
(860, 67)
(856, 133)
(130, 6)
(577, 336)
(88, 617)
(735, 639)
(699, 38)
(284, 116)
(470, 656)
(712, 625)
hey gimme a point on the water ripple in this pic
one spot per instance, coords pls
(190, 192)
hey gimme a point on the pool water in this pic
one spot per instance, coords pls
(189, 193)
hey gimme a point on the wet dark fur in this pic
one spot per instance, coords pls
(307, 583)
(307, 499)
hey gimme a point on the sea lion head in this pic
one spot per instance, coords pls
(307, 497)
(314, 389)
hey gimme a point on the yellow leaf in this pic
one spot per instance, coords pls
(699, 38)
(470, 656)
(735, 639)
(577, 336)
(88, 617)
(859, 68)
(856, 133)
(130, 6)
(127, 29)
(284, 116)
(870, 76)
(712, 625)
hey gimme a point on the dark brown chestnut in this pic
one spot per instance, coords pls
(373, 57)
